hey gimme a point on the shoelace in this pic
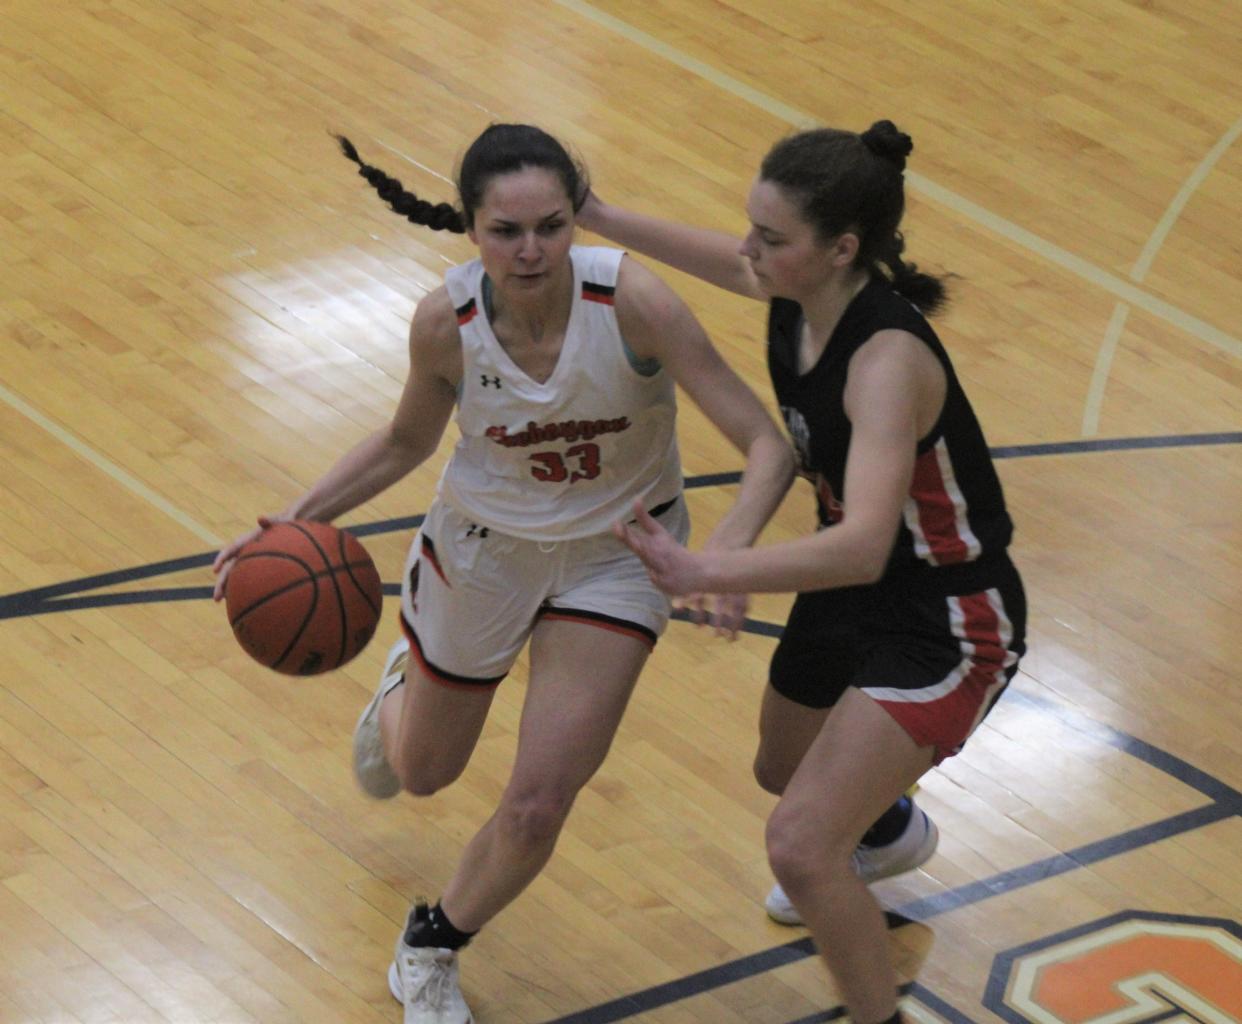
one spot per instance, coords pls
(435, 987)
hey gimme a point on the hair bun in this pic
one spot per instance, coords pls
(885, 140)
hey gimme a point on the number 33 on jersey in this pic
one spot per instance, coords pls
(599, 432)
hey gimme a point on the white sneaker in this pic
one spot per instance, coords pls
(871, 863)
(423, 979)
(371, 767)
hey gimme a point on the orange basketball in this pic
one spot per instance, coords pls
(303, 598)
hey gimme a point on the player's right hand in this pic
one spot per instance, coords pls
(227, 555)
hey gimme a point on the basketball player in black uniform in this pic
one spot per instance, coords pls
(910, 617)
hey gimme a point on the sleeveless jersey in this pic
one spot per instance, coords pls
(568, 457)
(954, 522)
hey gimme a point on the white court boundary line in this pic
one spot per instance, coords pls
(1123, 289)
(1104, 360)
(410, 159)
(110, 468)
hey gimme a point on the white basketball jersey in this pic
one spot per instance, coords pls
(566, 458)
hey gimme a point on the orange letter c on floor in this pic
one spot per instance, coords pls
(1126, 969)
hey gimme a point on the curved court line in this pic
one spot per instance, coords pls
(1103, 367)
(998, 225)
(915, 1003)
(1197, 177)
(110, 468)
(70, 595)
(1104, 359)
(1225, 802)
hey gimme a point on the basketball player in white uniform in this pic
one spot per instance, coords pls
(545, 468)
(561, 364)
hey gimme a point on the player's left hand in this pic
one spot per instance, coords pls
(588, 215)
(672, 568)
(729, 615)
(726, 613)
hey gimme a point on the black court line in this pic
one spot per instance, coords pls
(924, 995)
(937, 1004)
(1226, 801)
(70, 596)
(42, 600)
(1116, 444)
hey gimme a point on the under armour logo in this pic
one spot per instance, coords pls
(490, 382)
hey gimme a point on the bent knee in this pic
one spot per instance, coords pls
(801, 856)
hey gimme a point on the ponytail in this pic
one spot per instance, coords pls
(886, 141)
(928, 293)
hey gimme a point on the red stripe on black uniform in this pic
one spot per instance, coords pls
(817, 399)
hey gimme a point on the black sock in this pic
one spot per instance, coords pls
(891, 824)
(430, 926)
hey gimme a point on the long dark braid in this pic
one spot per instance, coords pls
(437, 216)
(499, 149)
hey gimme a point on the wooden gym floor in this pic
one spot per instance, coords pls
(201, 306)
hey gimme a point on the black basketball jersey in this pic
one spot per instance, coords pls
(954, 523)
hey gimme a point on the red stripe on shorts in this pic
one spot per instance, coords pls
(429, 551)
(945, 720)
(439, 675)
(639, 633)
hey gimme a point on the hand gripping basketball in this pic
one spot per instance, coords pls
(303, 597)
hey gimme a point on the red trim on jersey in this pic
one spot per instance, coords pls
(947, 721)
(598, 293)
(466, 313)
(937, 511)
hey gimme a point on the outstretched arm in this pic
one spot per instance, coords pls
(416, 427)
(657, 323)
(379, 461)
(887, 397)
(710, 255)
